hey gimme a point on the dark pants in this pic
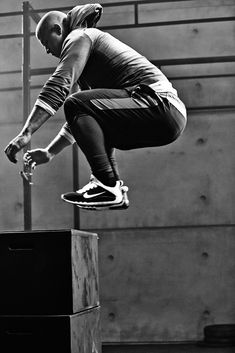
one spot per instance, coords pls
(129, 119)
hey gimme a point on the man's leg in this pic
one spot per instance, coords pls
(90, 138)
(113, 161)
(101, 118)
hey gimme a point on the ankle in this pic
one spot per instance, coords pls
(106, 179)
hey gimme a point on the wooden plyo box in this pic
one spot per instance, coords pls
(48, 272)
(78, 333)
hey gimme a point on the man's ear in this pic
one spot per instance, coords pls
(57, 29)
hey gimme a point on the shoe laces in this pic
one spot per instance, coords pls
(91, 185)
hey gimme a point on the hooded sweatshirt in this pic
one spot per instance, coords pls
(84, 16)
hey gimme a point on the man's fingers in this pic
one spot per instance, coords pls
(12, 158)
(28, 158)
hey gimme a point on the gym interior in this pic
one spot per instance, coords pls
(159, 276)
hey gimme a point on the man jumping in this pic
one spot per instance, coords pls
(124, 102)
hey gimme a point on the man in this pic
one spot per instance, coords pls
(125, 102)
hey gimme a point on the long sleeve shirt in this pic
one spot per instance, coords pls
(92, 58)
(98, 60)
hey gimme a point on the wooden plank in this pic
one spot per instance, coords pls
(206, 92)
(181, 41)
(166, 284)
(119, 15)
(175, 71)
(11, 25)
(184, 10)
(189, 182)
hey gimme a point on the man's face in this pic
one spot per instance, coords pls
(52, 40)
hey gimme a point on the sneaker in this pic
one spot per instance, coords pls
(96, 194)
(121, 206)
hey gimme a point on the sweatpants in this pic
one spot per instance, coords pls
(129, 118)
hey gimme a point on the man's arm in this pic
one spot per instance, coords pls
(73, 60)
(37, 117)
(74, 56)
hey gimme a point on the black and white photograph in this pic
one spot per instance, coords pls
(117, 176)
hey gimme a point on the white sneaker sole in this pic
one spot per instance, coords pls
(124, 204)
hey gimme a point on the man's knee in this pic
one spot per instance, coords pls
(68, 110)
(72, 109)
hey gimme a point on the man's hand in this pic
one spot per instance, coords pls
(16, 145)
(37, 156)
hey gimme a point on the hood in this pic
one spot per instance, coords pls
(84, 16)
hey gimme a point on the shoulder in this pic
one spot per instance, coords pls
(76, 38)
(82, 39)
(74, 35)
(87, 34)
(93, 33)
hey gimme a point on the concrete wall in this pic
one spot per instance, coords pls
(171, 282)
(166, 263)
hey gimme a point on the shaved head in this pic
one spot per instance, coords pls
(48, 21)
(51, 31)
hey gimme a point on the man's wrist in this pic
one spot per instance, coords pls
(26, 133)
(50, 154)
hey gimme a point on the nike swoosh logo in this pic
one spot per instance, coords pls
(87, 196)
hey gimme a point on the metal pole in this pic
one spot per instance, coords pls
(76, 213)
(26, 108)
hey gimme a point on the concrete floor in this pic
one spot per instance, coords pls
(165, 348)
